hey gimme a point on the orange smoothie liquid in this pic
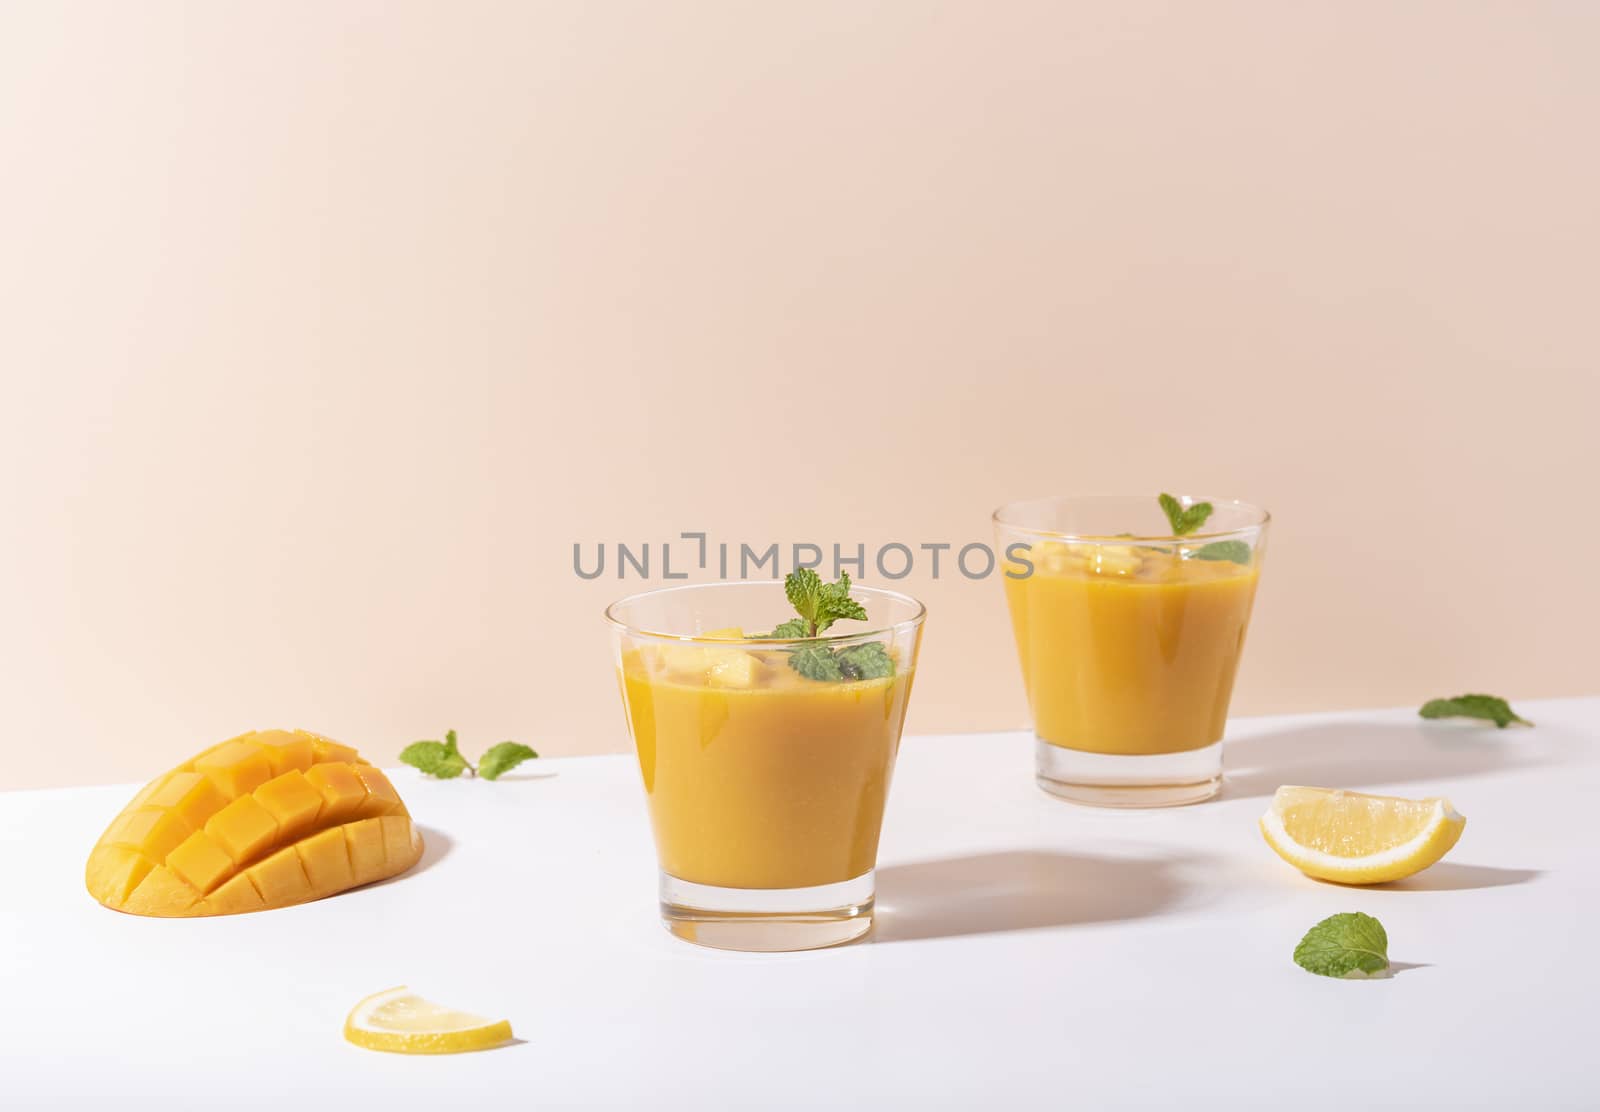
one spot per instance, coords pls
(758, 777)
(1129, 650)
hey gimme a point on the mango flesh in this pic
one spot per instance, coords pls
(260, 821)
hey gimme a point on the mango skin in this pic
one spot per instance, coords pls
(264, 820)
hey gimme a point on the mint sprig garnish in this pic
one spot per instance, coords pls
(1350, 944)
(1490, 708)
(443, 760)
(819, 605)
(1184, 519)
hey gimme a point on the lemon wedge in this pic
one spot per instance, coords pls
(1353, 838)
(399, 1020)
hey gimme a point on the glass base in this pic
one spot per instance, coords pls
(767, 919)
(1116, 780)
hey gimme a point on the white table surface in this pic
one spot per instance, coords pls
(1029, 953)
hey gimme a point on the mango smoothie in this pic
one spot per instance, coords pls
(1129, 650)
(758, 777)
(766, 751)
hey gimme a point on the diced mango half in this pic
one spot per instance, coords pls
(260, 821)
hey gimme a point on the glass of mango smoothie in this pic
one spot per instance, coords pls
(766, 755)
(1130, 618)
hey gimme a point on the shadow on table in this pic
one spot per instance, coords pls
(1358, 754)
(1016, 890)
(1448, 876)
(435, 847)
(1398, 967)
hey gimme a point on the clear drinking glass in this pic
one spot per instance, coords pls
(1129, 638)
(766, 787)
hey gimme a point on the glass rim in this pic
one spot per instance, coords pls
(903, 625)
(1263, 518)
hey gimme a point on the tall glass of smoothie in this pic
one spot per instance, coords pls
(766, 759)
(1130, 636)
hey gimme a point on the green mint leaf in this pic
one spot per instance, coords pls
(1174, 511)
(834, 602)
(794, 627)
(1184, 521)
(1349, 944)
(1237, 551)
(816, 662)
(1491, 708)
(866, 662)
(503, 758)
(804, 588)
(435, 758)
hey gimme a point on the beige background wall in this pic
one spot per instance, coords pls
(326, 330)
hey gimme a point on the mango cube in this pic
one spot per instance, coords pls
(343, 793)
(245, 829)
(1058, 558)
(731, 668)
(235, 896)
(326, 861)
(712, 664)
(193, 797)
(401, 842)
(155, 831)
(281, 879)
(1114, 559)
(237, 767)
(162, 892)
(363, 840)
(292, 801)
(381, 796)
(201, 862)
(287, 751)
(327, 751)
